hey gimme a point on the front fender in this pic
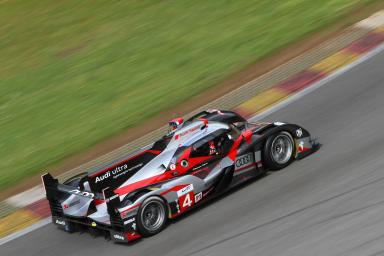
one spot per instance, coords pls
(304, 143)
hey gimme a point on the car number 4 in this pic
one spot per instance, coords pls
(187, 201)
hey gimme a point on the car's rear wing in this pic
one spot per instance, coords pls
(57, 192)
(54, 188)
(52, 193)
(49, 183)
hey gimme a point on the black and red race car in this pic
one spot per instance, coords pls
(198, 159)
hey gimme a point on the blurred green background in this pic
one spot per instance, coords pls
(73, 73)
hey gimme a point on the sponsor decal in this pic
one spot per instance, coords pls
(299, 132)
(278, 123)
(177, 136)
(74, 203)
(199, 166)
(118, 171)
(82, 193)
(133, 221)
(66, 206)
(60, 222)
(129, 221)
(198, 197)
(185, 190)
(119, 237)
(243, 160)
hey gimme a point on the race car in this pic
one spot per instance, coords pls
(197, 159)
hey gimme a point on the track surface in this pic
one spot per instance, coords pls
(330, 203)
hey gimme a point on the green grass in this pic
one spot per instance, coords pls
(73, 73)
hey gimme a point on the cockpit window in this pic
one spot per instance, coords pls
(213, 144)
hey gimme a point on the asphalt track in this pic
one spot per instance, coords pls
(330, 203)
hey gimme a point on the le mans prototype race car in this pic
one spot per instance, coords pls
(198, 159)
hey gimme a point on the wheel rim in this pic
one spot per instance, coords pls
(153, 215)
(282, 148)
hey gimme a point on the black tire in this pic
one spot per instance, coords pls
(273, 148)
(149, 207)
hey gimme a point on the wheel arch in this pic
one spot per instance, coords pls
(291, 128)
(144, 231)
(295, 131)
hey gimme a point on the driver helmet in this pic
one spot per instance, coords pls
(212, 148)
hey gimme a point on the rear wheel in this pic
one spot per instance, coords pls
(279, 150)
(152, 216)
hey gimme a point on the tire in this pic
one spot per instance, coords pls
(279, 151)
(152, 216)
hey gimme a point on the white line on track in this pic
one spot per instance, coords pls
(259, 116)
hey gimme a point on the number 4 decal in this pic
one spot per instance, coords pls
(187, 201)
(186, 197)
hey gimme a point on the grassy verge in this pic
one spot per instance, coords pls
(73, 73)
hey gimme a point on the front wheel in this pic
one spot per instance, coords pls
(152, 216)
(279, 150)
